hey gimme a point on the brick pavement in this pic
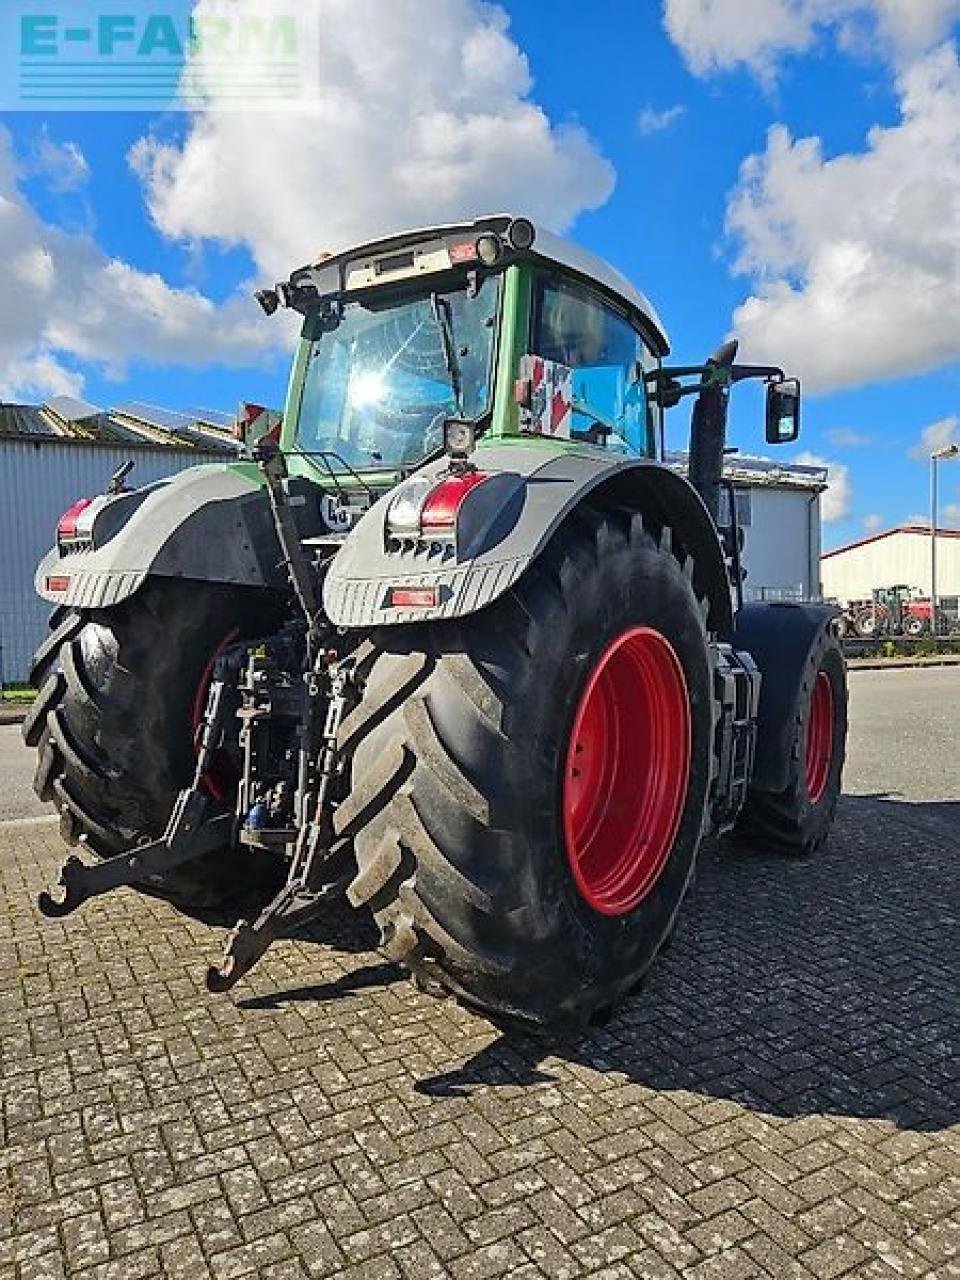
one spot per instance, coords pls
(781, 1101)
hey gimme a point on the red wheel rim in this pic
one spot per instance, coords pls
(820, 738)
(220, 778)
(627, 771)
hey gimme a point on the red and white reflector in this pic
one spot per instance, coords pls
(57, 584)
(67, 524)
(414, 597)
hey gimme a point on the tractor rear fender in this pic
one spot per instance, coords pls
(781, 639)
(209, 523)
(503, 526)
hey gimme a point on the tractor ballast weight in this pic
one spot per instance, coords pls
(462, 648)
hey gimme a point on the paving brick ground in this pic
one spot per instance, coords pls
(781, 1101)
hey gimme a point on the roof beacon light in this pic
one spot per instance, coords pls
(489, 248)
(521, 234)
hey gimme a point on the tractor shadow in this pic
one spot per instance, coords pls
(793, 988)
(349, 984)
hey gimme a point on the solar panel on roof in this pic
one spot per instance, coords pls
(124, 434)
(213, 418)
(70, 409)
(162, 419)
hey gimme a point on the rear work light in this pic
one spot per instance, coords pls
(58, 584)
(67, 524)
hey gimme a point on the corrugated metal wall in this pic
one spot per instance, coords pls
(782, 545)
(902, 559)
(38, 481)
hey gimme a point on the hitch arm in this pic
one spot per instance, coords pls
(197, 826)
(191, 832)
(318, 872)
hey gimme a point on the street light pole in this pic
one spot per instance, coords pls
(948, 451)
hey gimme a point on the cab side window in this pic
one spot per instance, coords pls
(574, 327)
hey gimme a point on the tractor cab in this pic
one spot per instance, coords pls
(496, 324)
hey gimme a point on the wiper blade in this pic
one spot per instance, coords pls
(443, 315)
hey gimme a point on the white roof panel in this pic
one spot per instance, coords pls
(70, 409)
(546, 245)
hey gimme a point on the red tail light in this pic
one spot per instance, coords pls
(439, 513)
(67, 524)
(426, 508)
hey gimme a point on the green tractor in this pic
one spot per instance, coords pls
(454, 642)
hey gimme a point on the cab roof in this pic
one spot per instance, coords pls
(546, 246)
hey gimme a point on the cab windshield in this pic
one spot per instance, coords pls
(377, 389)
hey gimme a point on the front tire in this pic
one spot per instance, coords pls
(798, 820)
(462, 801)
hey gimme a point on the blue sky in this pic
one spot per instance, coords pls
(625, 122)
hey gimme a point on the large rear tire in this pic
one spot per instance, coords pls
(113, 722)
(797, 820)
(494, 870)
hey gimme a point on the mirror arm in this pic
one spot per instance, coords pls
(669, 392)
(745, 372)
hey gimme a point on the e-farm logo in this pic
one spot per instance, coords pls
(160, 55)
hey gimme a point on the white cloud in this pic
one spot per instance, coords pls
(423, 114)
(918, 521)
(651, 121)
(62, 164)
(847, 438)
(38, 376)
(70, 302)
(939, 435)
(838, 498)
(720, 34)
(717, 34)
(873, 523)
(950, 515)
(856, 260)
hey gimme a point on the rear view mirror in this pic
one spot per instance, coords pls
(783, 411)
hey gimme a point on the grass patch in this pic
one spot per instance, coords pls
(17, 693)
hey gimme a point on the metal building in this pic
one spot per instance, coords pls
(778, 509)
(896, 557)
(52, 455)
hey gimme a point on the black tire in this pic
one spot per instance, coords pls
(457, 752)
(791, 821)
(112, 722)
(867, 624)
(916, 627)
